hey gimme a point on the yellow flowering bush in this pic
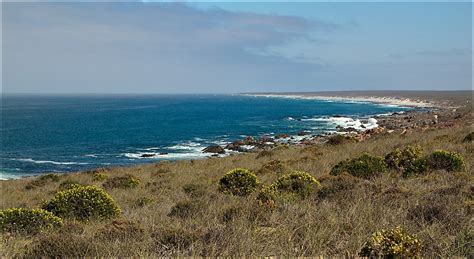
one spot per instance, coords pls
(293, 185)
(28, 221)
(99, 176)
(391, 243)
(239, 182)
(83, 203)
(401, 158)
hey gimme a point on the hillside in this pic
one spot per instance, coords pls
(177, 208)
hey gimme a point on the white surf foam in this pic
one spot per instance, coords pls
(183, 155)
(347, 122)
(30, 160)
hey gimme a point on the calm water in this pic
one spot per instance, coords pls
(41, 134)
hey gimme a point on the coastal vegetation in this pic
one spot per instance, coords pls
(28, 221)
(389, 195)
(83, 203)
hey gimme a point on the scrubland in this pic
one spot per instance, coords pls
(178, 209)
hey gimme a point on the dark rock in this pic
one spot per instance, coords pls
(349, 129)
(214, 149)
(147, 155)
(280, 136)
(249, 140)
(303, 133)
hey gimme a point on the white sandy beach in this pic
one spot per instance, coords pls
(372, 99)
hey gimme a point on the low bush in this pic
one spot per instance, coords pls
(314, 150)
(174, 239)
(401, 158)
(126, 181)
(185, 209)
(99, 176)
(28, 221)
(83, 203)
(391, 243)
(468, 138)
(232, 213)
(274, 166)
(239, 182)
(293, 185)
(121, 230)
(364, 166)
(445, 160)
(417, 167)
(61, 245)
(428, 212)
(332, 186)
(68, 184)
(339, 139)
(264, 153)
(42, 180)
(143, 201)
(194, 190)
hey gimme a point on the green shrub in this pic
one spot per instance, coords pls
(28, 221)
(68, 184)
(468, 138)
(42, 180)
(339, 139)
(99, 176)
(293, 185)
(444, 160)
(239, 181)
(400, 159)
(126, 181)
(391, 243)
(417, 167)
(185, 209)
(83, 203)
(364, 166)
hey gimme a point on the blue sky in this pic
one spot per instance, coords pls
(215, 47)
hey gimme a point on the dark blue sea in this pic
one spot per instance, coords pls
(42, 134)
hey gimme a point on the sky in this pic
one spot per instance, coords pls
(223, 47)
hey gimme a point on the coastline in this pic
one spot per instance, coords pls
(401, 102)
(425, 114)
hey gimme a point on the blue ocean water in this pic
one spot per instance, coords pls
(41, 134)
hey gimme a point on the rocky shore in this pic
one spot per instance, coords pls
(439, 114)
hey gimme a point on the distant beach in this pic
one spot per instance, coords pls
(405, 102)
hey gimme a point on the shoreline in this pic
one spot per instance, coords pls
(388, 100)
(421, 116)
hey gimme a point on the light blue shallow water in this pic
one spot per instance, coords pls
(41, 134)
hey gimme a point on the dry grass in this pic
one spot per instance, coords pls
(184, 214)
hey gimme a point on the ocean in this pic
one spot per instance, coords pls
(43, 134)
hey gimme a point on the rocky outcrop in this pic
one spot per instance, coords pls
(216, 149)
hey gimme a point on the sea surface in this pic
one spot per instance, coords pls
(42, 134)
